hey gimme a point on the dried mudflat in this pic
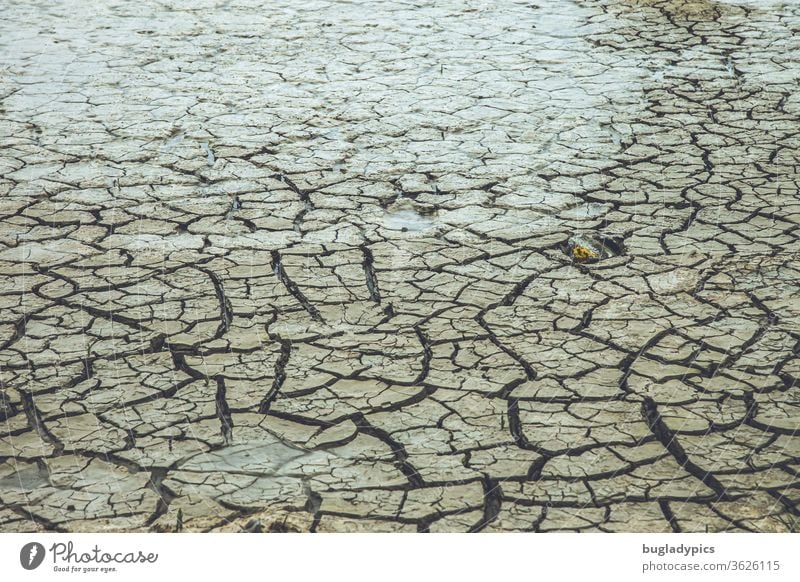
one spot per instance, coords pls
(307, 266)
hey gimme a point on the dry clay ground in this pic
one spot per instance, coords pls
(313, 265)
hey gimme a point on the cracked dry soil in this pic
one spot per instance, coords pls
(307, 266)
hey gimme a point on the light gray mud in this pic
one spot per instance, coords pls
(307, 265)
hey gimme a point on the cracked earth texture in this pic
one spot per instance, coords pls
(311, 266)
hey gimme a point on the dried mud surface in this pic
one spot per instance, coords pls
(311, 266)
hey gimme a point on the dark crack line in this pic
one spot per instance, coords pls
(224, 411)
(292, 288)
(492, 500)
(371, 276)
(670, 441)
(280, 375)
